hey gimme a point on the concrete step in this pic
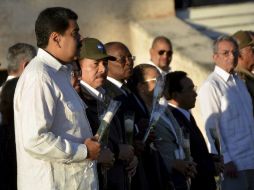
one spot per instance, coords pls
(222, 19)
(196, 13)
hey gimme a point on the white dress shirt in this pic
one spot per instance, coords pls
(162, 72)
(97, 94)
(226, 106)
(51, 127)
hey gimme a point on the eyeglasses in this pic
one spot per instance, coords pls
(162, 52)
(227, 53)
(76, 73)
(149, 80)
(124, 59)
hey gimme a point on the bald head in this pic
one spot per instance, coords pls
(121, 69)
(161, 39)
(161, 52)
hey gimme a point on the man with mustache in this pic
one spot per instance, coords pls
(93, 61)
(54, 143)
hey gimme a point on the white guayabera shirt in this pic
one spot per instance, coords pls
(51, 126)
(226, 105)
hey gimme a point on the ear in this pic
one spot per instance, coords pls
(23, 64)
(174, 95)
(55, 37)
(215, 56)
(151, 51)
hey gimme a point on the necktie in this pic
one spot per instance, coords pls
(125, 89)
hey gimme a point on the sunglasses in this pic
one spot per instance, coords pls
(162, 52)
(124, 59)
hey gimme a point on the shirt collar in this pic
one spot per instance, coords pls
(98, 94)
(50, 60)
(160, 70)
(115, 82)
(10, 77)
(223, 74)
(183, 111)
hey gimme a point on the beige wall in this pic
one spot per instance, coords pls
(107, 20)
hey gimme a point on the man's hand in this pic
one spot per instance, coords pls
(231, 170)
(93, 148)
(126, 152)
(132, 166)
(106, 158)
(187, 168)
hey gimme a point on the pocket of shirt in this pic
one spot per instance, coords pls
(74, 111)
(229, 118)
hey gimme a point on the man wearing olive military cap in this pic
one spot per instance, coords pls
(246, 59)
(93, 61)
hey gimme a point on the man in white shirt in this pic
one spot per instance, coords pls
(55, 147)
(226, 109)
(161, 54)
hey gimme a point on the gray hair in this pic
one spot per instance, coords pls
(223, 38)
(17, 53)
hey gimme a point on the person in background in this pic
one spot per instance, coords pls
(245, 59)
(75, 76)
(227, 112)
(8, 164)
(142, 84)
(119, 71)
(180, 93)
(93, 61)
(18, 56)
(54, 143)
(161, 54)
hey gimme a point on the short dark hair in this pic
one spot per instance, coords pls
(172, 83)
(139, 75)
(17, 53)
(54, 19)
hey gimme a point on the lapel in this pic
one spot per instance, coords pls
(197, 141)
(181, 119)
(112, 90)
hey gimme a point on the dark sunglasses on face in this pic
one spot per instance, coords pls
(124, 59)
(162, 52)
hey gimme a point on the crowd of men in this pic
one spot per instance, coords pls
(56, 99)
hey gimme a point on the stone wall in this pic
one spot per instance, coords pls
(107, 20)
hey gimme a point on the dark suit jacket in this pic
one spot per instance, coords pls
(151, 173)
(116, 175)
(199, 152)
